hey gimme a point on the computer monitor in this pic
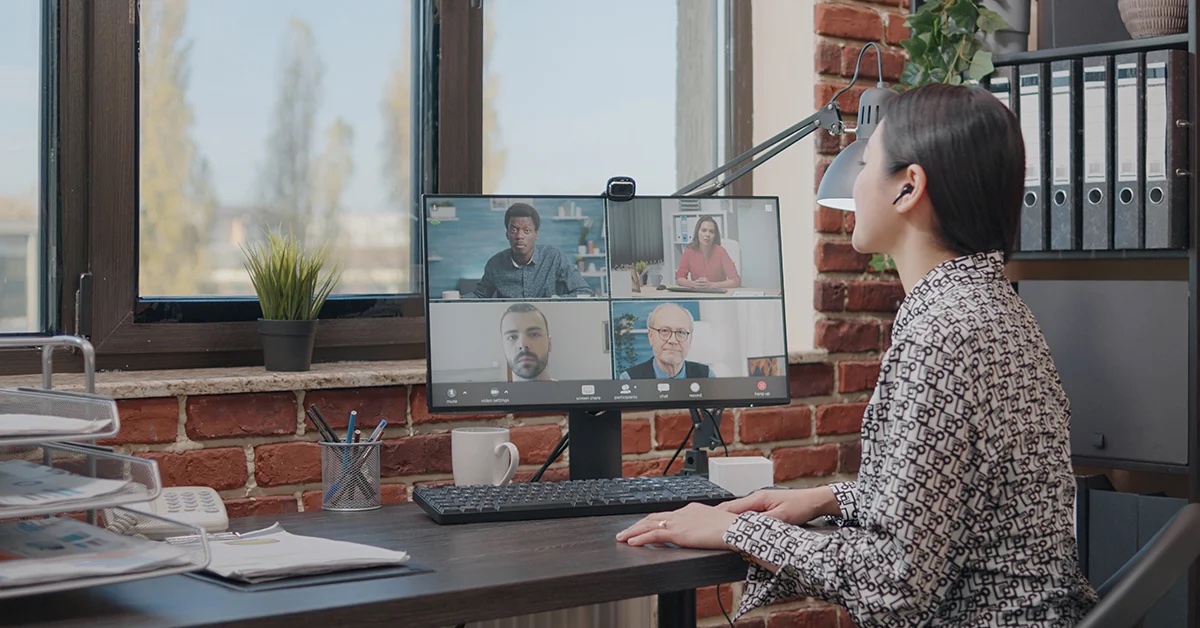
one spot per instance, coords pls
(592, 306)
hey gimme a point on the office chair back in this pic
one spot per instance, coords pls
(1131, 592)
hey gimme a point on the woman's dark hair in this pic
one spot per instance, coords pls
(523, 210)
(971, 149)
(695, 243)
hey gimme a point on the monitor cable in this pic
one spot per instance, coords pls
(554, 454)
(712, 414)
(679, 449)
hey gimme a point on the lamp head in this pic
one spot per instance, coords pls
(836, 190)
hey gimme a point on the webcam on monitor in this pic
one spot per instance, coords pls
(620, 188)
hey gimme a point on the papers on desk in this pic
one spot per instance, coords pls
(274, 553)
(50, 550)
(24, 483)
(17, 424)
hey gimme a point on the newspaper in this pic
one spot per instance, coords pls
(54, 549)
(24, 483)
(18, 424)
(274, 553)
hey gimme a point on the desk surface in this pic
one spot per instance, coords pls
(481, 571)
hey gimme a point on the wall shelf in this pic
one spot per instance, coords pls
(1073, 52)
(1085, 255)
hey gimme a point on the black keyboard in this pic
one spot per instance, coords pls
(574, 498)
(697, 290)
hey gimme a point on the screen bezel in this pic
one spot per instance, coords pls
(751, 402)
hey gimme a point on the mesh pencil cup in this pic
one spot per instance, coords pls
(350, 476)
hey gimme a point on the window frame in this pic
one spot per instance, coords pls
(94, 274)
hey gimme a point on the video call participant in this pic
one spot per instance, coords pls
(669, 329)
(525, 333)
(525, 270)
(705, 263)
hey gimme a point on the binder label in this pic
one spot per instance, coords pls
(1095, 153)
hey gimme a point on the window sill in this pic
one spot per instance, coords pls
(253, 379)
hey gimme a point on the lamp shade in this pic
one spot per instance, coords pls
(836, 190)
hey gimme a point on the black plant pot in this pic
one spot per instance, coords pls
(287, 345)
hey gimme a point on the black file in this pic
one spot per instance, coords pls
(1166, 137)
(1097, 144)
(1064, 139)
(1032, 98)
(1128, 158)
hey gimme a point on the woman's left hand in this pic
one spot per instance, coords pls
(694, 525)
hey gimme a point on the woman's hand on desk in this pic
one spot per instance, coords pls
(796, 507)
(694, 525)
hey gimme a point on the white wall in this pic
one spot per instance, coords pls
(784, 51)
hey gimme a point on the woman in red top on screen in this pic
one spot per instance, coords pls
(705, 263)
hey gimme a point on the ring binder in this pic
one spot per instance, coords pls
(1064, 139)
(1129, 167)
(1097, 143)
(1166, 197)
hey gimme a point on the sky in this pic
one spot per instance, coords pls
(565, 123)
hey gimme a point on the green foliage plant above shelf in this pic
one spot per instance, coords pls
(291, 283)
(945, 45)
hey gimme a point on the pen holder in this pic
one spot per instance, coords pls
(350, 476)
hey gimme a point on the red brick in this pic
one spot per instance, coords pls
(849, 456)
(415, 455)
(874, 296)
(371, 404)
(553, 474)
(828, 144)
(893, 64)
(435, 483)
(735, 453)
(670, 429)
(535, 442)
(829, 220)
(642, 468)
(240, 415)
(829, 296)
(857, 376)
(840, 256)
(818, 617)
(146, 421)
(222, 469)
(420, 411)
(847, 335)
(828, 59)
(389, 494)
(851, 22)
(764, 425)
(255, 506)
(897, 30)
(847, 101)
(707, 604)
(804, 462)
(810, 380)
(750, 622)
(635, 436)
(287, 463)
(849, 222)
(840, 418)
(887, 334)
(844, 620)
(819, 171)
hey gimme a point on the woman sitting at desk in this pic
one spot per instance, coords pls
(962, 511)
(705, 263)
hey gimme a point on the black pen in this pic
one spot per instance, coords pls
(329, 433)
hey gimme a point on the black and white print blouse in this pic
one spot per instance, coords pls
(962, 512)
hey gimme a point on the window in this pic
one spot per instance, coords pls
(26, 176)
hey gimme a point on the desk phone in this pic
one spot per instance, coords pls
(200, 506)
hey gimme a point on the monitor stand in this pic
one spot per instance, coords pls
(595, 444)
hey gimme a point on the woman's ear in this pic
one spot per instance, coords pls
(912, 189)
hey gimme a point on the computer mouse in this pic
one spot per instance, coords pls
(662, 286)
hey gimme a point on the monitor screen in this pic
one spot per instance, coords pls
(583, 303)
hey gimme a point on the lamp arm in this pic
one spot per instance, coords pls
(828, 117)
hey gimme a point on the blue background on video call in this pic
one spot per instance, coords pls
(641, 344)
(466, 244)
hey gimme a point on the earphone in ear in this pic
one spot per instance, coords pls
(907, 189)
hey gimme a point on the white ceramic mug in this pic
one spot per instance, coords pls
(479, 455)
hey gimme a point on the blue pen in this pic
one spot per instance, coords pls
(350, 427)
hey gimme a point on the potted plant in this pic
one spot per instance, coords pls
(946, 44)
(584, 228)
(292, 284)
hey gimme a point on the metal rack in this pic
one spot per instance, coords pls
(75, 452)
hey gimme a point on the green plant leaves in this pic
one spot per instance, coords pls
(990, 21)
(945, 45)
(981, 65)
(287, 279)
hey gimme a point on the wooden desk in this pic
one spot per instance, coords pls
(481, 571)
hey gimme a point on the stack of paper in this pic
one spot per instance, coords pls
(50, 550)
(16, 424)
(273, 553)
(24, 484)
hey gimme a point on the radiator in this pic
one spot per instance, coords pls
(635, 613)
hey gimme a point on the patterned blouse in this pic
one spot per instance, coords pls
(962, 514)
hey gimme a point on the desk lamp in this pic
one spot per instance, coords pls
(836, 191)
(837, 185)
